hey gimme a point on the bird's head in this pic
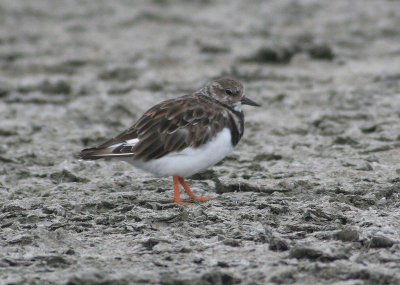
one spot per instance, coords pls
(229, 92)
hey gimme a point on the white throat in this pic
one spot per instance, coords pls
(237, 107)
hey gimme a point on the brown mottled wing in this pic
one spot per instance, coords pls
(170, 126)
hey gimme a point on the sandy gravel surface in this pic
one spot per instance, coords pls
(310, 196)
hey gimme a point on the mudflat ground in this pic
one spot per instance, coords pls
(310, 196)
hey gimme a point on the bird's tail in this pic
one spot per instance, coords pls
(124, 149)
(95, 153)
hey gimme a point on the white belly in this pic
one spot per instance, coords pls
(191, 160)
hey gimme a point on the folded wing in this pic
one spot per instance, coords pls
(170, 126)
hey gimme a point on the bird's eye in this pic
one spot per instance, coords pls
(229, 92)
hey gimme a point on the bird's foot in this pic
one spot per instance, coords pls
(190, 193)
(177, 195)
(182, 203)
(200, 198)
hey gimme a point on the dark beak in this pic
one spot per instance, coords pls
(247, 101)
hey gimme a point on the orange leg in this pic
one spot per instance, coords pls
(190, 192)
(177, 193)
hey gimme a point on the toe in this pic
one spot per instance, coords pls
(182, 203)
(200, 199)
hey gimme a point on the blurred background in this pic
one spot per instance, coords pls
(311, 195)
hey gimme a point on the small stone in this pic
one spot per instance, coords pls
(267, 157)
(347, 234)
(204, 175)
(56, 87)
(150, 243)
(232, 242)
(220, 278)
(380, 242)
(66, 176)
(198, 260)
(382, 201)
(301, 252)
(341, 140)
(213, 49)
(70, 251)
(210, 278)
(275, 55)
(119, 73)
(277, 244)
(222, 264)
(321, 51)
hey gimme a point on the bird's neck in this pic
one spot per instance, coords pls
(235, 116)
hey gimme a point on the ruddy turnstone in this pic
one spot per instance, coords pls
(182, 136)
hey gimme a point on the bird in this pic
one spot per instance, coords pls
(182, 136)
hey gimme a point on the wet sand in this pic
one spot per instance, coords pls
(311, 194)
